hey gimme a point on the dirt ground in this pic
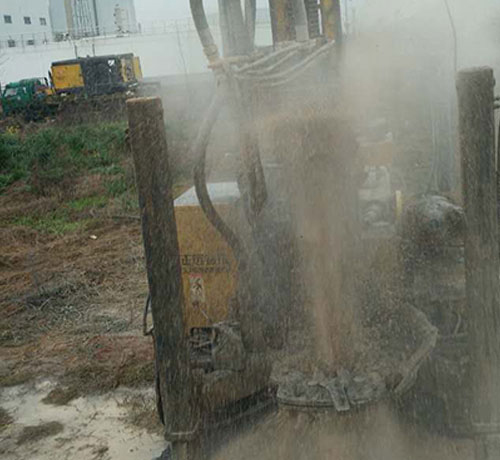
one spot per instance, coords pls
(71, 334)
(76, 373)
(103, 426)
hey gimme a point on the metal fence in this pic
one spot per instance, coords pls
(161, 27)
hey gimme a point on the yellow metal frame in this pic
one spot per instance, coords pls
(67, 76)
(137, 68)
(134, 66)
(209, 274)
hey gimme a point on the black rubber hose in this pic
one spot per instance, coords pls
(290, 71)
(199, 150)
(203, 29)
(300, 19)
(250, 18)
(242, 45)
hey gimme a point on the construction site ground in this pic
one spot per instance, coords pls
(76, 373)
(71, 307)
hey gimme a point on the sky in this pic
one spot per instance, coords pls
(164, 10)
(154, 10)
(375, 11)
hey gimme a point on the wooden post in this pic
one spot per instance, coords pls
(159, 230)
(281, 23)
(331, 18)
(477, 150)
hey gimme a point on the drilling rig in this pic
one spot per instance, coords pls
(237, 268)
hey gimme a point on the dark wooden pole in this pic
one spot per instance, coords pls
(477, 150)
(281, 21)
(331, 18)
(159, 230)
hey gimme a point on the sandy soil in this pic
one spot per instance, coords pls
(96, 427)
(71, 321)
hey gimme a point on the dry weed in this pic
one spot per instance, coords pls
(5, 419)
(142, 412)
(34, 433)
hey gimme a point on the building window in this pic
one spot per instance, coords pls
(43, 21)
(7, 18)
(30, 42)
(11, 43)
(27, 20)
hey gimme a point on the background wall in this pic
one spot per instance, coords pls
(108, 22)
(169, 49)
(18, 9)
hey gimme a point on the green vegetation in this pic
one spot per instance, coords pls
(82, 168)
(88, 202)
(51, 223)
(50, 156)
(63, 220)
(117, 186)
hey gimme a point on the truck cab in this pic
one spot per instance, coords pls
(23, 94)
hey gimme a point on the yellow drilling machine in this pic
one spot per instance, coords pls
(260, 285)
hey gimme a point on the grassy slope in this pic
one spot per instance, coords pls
(82, 168)
(72, 281)
(51, 155)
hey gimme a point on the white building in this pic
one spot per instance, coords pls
(88, 18)
(116, 16)
(24, 23)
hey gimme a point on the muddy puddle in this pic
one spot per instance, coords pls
(96, 427)
(374, 434)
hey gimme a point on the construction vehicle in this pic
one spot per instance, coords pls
(31, 97)
(70, 81)
(222, 300)
(225, 260)
(96, 75)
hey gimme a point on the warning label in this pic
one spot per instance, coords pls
(196, 289)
